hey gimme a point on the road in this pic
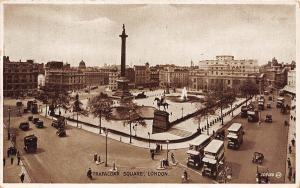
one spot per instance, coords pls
(66, 160)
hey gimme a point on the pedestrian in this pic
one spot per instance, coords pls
(290, 173)
(8, 151)
(12, 160)
(22, 177)
(95, 157)
(3, 161)
(294, 176)
(152, 155)
(89, 174)
(289, 162)
(173, 158)
(293, 142)
(19, 159)
(290, 149)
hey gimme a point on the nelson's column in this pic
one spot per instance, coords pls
(122, 91)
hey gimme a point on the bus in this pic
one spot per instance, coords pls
(196, 151)
(213, 158)
(235, 136)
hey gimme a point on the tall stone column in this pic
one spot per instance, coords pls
(123, 51)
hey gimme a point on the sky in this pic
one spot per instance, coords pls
(158, 34)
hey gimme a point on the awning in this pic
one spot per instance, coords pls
(209, 160)
(289, 89)
(193, 152)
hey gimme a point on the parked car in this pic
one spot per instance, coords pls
(24, 126)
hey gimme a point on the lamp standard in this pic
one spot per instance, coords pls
(46, 106)
(149, 138)
(182, 112)
(8, 131)
(106, 133)
(167, 150)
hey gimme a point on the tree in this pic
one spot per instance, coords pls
(131, 115)
(77, 107)
(249, 89)
(101, 106)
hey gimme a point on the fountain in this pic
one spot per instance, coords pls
(183, 96)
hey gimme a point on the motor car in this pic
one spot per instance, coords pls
(258, 158)
(30, 118)
(268, 118)
(24, 126)
(39, 124)
(35, 120)
(30, 144)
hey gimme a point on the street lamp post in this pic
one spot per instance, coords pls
(167, 150)
(149, 138)
(106, 133)
(46, 106)
(8, 130)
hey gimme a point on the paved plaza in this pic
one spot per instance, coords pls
(66, 160)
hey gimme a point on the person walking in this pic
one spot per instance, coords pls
(289, 162)
(290, 149)
(8, 152)
(19, 159)
(3, 161)
(293, 142)
(22, 177)
(12, 160)
(89, 174)
(152, 155)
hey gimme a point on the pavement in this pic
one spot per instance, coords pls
(66, 160)
(291, 135)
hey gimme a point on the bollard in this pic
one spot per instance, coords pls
(95, 157)
(114, 166)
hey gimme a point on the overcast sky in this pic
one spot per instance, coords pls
(158, 34)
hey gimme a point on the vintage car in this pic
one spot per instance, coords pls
(35, 120)
(30, 143)
(268, 118)
(24, 126)
(60, 122)
(257, 158)
(39, 124)
(30, 118)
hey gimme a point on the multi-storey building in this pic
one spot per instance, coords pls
(142, 75)
(224, 70)
(276, 73)
(20, 78)
(154, 76)
(291, 82)
(63, 77)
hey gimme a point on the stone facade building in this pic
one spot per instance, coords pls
(142, 75)
(224, 70)
(20, 78)
(63, 77)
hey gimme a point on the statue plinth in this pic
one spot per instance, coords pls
(160, 121)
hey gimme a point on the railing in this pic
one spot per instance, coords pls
(160, 141)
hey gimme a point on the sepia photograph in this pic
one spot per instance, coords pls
(149, 93)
